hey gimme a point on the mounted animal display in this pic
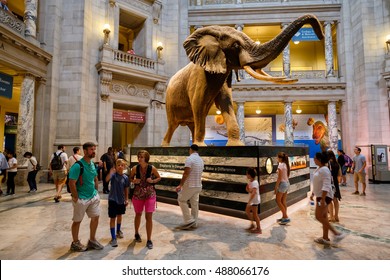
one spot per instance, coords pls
(215, 53)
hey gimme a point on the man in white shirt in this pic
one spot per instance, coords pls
(190, 188)
(59, 173)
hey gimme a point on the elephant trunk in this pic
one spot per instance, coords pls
(263, 54)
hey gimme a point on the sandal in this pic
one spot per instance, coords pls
(256, 230)
(321, 240)
(252, 226)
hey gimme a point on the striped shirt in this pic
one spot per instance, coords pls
(195, 163)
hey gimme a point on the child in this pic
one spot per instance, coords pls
(281, 187)
(117, 199)
(254, 200)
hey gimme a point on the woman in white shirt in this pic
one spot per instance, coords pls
(322, 190)
(11, 173)
(281, 187)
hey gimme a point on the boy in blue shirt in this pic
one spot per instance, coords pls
(117, 198)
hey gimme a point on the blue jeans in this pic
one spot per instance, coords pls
(31, 179)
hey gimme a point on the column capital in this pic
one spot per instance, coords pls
(239, 26)
(328, 22)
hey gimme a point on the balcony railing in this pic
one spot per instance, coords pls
(133, 59)
(12, 22)
(194, 3)
(308, 75)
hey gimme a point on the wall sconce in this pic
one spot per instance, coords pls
(298, 110)
(258, 111)
(159, 50)
(296, 42)
(106, 31)
(388, 43)
(218, 112)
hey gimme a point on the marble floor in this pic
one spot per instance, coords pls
(33, 227)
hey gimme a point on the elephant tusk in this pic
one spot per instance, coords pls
(263, 76)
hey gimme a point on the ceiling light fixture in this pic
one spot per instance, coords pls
(298, 110)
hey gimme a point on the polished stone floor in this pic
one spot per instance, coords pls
(33, 227)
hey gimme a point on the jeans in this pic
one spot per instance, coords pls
(31, 179)
(11, 182)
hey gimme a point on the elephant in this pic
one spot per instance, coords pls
(214, 53)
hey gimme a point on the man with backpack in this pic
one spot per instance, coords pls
(57, 168)
(83, 184)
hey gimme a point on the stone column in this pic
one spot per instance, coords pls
(40, 130)
(329, 49)
(24, 139)
(286, 57)
(30, 17)
(332, 126)
(288, 122)
(241, 119)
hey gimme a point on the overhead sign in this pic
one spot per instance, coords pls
(305, 34)
(6, 84)
(128, 116)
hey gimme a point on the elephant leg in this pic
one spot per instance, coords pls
(199, 129)
(191, 126)
(168, 135)
(224, 101)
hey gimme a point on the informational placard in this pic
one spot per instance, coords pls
(305, 34)
(128, 116)
(6, 83)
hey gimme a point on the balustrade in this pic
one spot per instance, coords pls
(12, 22)
(134, 59)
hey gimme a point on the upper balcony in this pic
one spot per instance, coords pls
(130, 66)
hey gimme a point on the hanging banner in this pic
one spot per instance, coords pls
(6, 83)
(305, 34)
(128, 116)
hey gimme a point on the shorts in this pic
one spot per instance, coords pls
(359, 177)
(344, 170)
(283, 187)
(328, 200)
(258, 207)
(89, 206)
(60, 176)
(115, 209)
(149, 204)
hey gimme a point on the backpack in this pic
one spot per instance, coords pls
(348, 161)
(37, 167)
(80, 179)
(56, 162)
(138, 176)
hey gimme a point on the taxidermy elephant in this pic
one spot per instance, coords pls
(215, 52)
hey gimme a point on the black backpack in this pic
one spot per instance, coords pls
(56, 162)
(80, 179)
(138, 176)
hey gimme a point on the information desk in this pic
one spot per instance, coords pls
(224, 178)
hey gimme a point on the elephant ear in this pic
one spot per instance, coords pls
(205, 51)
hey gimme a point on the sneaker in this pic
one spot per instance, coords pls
(321, 240)
(78, 247)
(186, 226)
(137, 238)
(357, 192)
(339, 237)
(279, 220)
(284, 221)
(194, 226)
(95, 245)
(56, 199)
(119, 234)
(149, 244)
(363, 194)
(114, 243)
